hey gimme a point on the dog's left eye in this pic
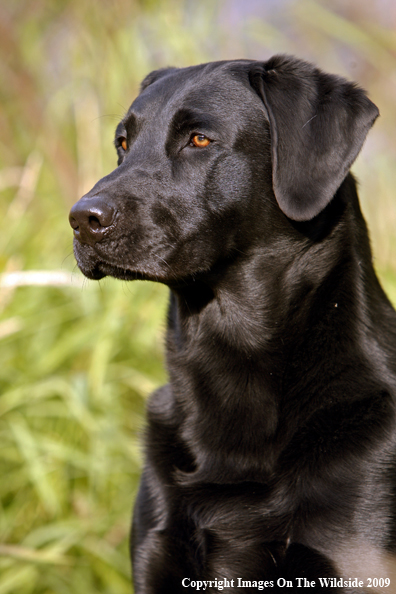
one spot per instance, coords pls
(124, 143)
(200, 141)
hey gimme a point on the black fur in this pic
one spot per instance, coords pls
(271, 452)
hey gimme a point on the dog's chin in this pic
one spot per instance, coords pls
(101, 270)
(95, 268)
(92, 274)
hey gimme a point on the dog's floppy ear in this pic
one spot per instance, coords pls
(318, 124)
(154, 76)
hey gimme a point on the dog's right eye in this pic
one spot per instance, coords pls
(199, 141)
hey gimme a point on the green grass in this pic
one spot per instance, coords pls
(77, 361)
(76, 373)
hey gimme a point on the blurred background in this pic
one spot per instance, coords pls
(78, 358)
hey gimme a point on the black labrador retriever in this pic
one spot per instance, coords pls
(271, 453)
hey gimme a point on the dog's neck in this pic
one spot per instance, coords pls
(237, 347)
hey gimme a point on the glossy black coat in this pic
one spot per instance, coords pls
(271, 452)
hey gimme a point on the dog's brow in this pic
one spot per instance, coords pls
(188, 119)
(129, 125)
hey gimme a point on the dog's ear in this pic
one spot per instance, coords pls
(318, 124)
(154, 76)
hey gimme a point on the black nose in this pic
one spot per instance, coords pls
(90, 218)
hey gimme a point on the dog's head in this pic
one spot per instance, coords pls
(212, 159)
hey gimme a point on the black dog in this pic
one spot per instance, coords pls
(271, 454)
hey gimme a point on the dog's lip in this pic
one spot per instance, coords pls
(101, 268)
(92, 274)
(121, 273)
(95, 264)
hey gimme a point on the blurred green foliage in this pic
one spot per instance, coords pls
(78, 360)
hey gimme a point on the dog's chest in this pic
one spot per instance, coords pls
(241, 511)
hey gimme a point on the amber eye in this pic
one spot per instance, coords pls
(124, 144)
(200, 140)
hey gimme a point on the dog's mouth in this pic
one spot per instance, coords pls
(102, 269)
(99, 269)
(96, 266)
